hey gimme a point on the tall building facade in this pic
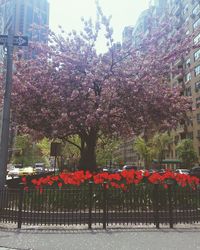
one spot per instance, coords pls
(21, 15)
(187, 13)
(25, 13)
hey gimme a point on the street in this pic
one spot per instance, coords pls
(111, 239)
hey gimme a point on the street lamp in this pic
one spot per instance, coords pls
(6, 109)
(8, 41)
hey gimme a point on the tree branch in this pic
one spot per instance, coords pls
(74, 144)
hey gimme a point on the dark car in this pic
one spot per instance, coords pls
(161, 171)
(195, 171)
(151, 171)
(39, 170)
(111, 170)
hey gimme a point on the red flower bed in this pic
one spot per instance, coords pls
(118, 180)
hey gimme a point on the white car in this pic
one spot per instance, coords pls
(130, 167)
(14, 172)
(26, 171)
(182, 171)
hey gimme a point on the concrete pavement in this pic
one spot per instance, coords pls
(98, 239)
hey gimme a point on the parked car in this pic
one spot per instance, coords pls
(182, 171)
(39, 170)
(14, 172)
(195, 171)
(161, 171)
(151, 170)
(130, 167)
(26, 171)
(111, 170)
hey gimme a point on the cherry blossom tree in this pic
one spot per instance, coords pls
(66, 88)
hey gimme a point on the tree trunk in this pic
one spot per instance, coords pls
(88, 158)
(88, 152)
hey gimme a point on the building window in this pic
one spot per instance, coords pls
(198, 134)
(188, 91)
(197, 55)
(189, 121)
(185, 9)
(196, 9)
(196, 24)
(197, 70)
(197, 86)
(198, 118)
(197, 39)
(198, 102)
(187, 63)
(176, 139)
(188, 77)
(187, 20)
(190, 135)
(187, 32)
(174, 84)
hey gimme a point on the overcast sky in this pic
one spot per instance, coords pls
(68, 13)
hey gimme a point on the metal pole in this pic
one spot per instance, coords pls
(156, 206)
(170, 205)
(55, 164)
(20, 203)
(104, 205)
(90, 205)
(6, 111)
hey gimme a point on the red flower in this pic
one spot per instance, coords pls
(115, 180)
(34, 181)
(146, 173)
(24, 180)
(165, 186)
(98, 179)
(115, 185)
(26, 189)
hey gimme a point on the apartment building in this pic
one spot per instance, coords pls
(126, 154)
(187, 13)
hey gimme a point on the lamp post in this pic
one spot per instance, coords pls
(6, 110)
(8, 41)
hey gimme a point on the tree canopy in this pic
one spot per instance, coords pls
(186, 152)
(66, 88)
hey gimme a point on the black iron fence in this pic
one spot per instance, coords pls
(95, 204)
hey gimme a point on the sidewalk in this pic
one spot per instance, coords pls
(6, 248)
(183, 237)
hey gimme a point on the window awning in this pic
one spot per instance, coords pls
(168, 161)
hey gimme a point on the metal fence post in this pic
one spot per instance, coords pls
(21, 191)
(3, 201)
(170, 205)
(90, 205)
(156, 206)
(104, 204)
